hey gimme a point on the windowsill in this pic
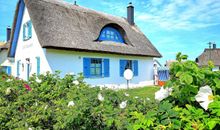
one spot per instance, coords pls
(95, 77)
(133, 76)
(27, 39)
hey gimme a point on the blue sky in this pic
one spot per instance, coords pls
(171, 25)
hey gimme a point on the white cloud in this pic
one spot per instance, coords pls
(181, 14)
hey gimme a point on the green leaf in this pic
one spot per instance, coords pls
(178, 74)
(186, 78)
(211, 124)
(217, 82)
(215, 107)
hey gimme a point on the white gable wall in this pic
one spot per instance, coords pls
(70, 61)
(29, 49)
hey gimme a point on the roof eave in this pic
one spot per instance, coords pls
(100, 51)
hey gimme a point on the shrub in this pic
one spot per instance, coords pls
(180, 109)
(52, 102)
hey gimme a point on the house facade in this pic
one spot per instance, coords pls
(51, 35)
(5, 62)
(210, 54)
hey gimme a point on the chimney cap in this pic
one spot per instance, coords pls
(214, 46)
(130, 4)
(75, 2)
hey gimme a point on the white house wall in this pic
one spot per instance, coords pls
(216, 68)
(29, 49)
(70, 61)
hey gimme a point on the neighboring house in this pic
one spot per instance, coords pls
(50, 35)
(169, 63)
(210, 54)
(157, 63)
(5, 62)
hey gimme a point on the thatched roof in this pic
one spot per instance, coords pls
(209, 55)
(61, 25)
(4, 46)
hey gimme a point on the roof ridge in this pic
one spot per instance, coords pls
(81, 8)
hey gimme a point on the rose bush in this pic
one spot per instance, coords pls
(193, 103)
(52, 102)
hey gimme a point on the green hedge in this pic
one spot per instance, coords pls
(42, 103)
(51, 102)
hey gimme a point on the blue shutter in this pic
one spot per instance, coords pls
(18, 68)
(24, 32)
(86, 67)
(38, 66)
(135, 64)
(29, 29)
(122, 67)
(9, 70)
(106, 68)
(28, 71)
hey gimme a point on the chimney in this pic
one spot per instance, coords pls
(8, 33)
(214, 46)
(130, 13)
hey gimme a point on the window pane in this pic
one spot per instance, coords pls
(92, 71)
(98, 71)
(92, 65)
(108, 32)
(103, 34)
(108, 36)
(26, 31)
(128, 65)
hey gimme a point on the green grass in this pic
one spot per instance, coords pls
(143, 92)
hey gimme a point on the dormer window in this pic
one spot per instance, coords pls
(110, 34)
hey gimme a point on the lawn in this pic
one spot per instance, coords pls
(143, 92)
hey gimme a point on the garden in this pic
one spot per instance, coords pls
(189, 100)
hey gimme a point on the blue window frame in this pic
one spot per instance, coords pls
(128, 64)
(38, 65)
(110, 34)
(6, 69)
(27, 30)
(95, 67)
(18, 68)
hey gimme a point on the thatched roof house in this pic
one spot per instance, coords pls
(50, 35)
(4, 46)
(209, 55)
